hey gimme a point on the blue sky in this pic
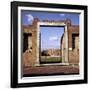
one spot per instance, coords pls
(50, 36)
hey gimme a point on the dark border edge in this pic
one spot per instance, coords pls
(53, 5)
(86, 44)
(14, 49)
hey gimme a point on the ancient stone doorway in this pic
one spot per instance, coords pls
(52, 24)
(50, 44)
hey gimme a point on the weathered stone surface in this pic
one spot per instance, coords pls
(30, 56)
(73, 53)
(52, 69)
(74, 57)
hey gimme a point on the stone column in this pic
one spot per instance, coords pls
(62, 53)
(38, 45)
(66, 45)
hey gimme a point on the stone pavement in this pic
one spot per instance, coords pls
(50, 70)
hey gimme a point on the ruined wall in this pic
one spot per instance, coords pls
(73, 52)
(30, 55)
(72, 29)
(74, 57)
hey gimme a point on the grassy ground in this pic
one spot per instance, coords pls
(46, 59)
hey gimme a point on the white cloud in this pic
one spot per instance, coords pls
(62, 15)
(29, 17)
(54, 38)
